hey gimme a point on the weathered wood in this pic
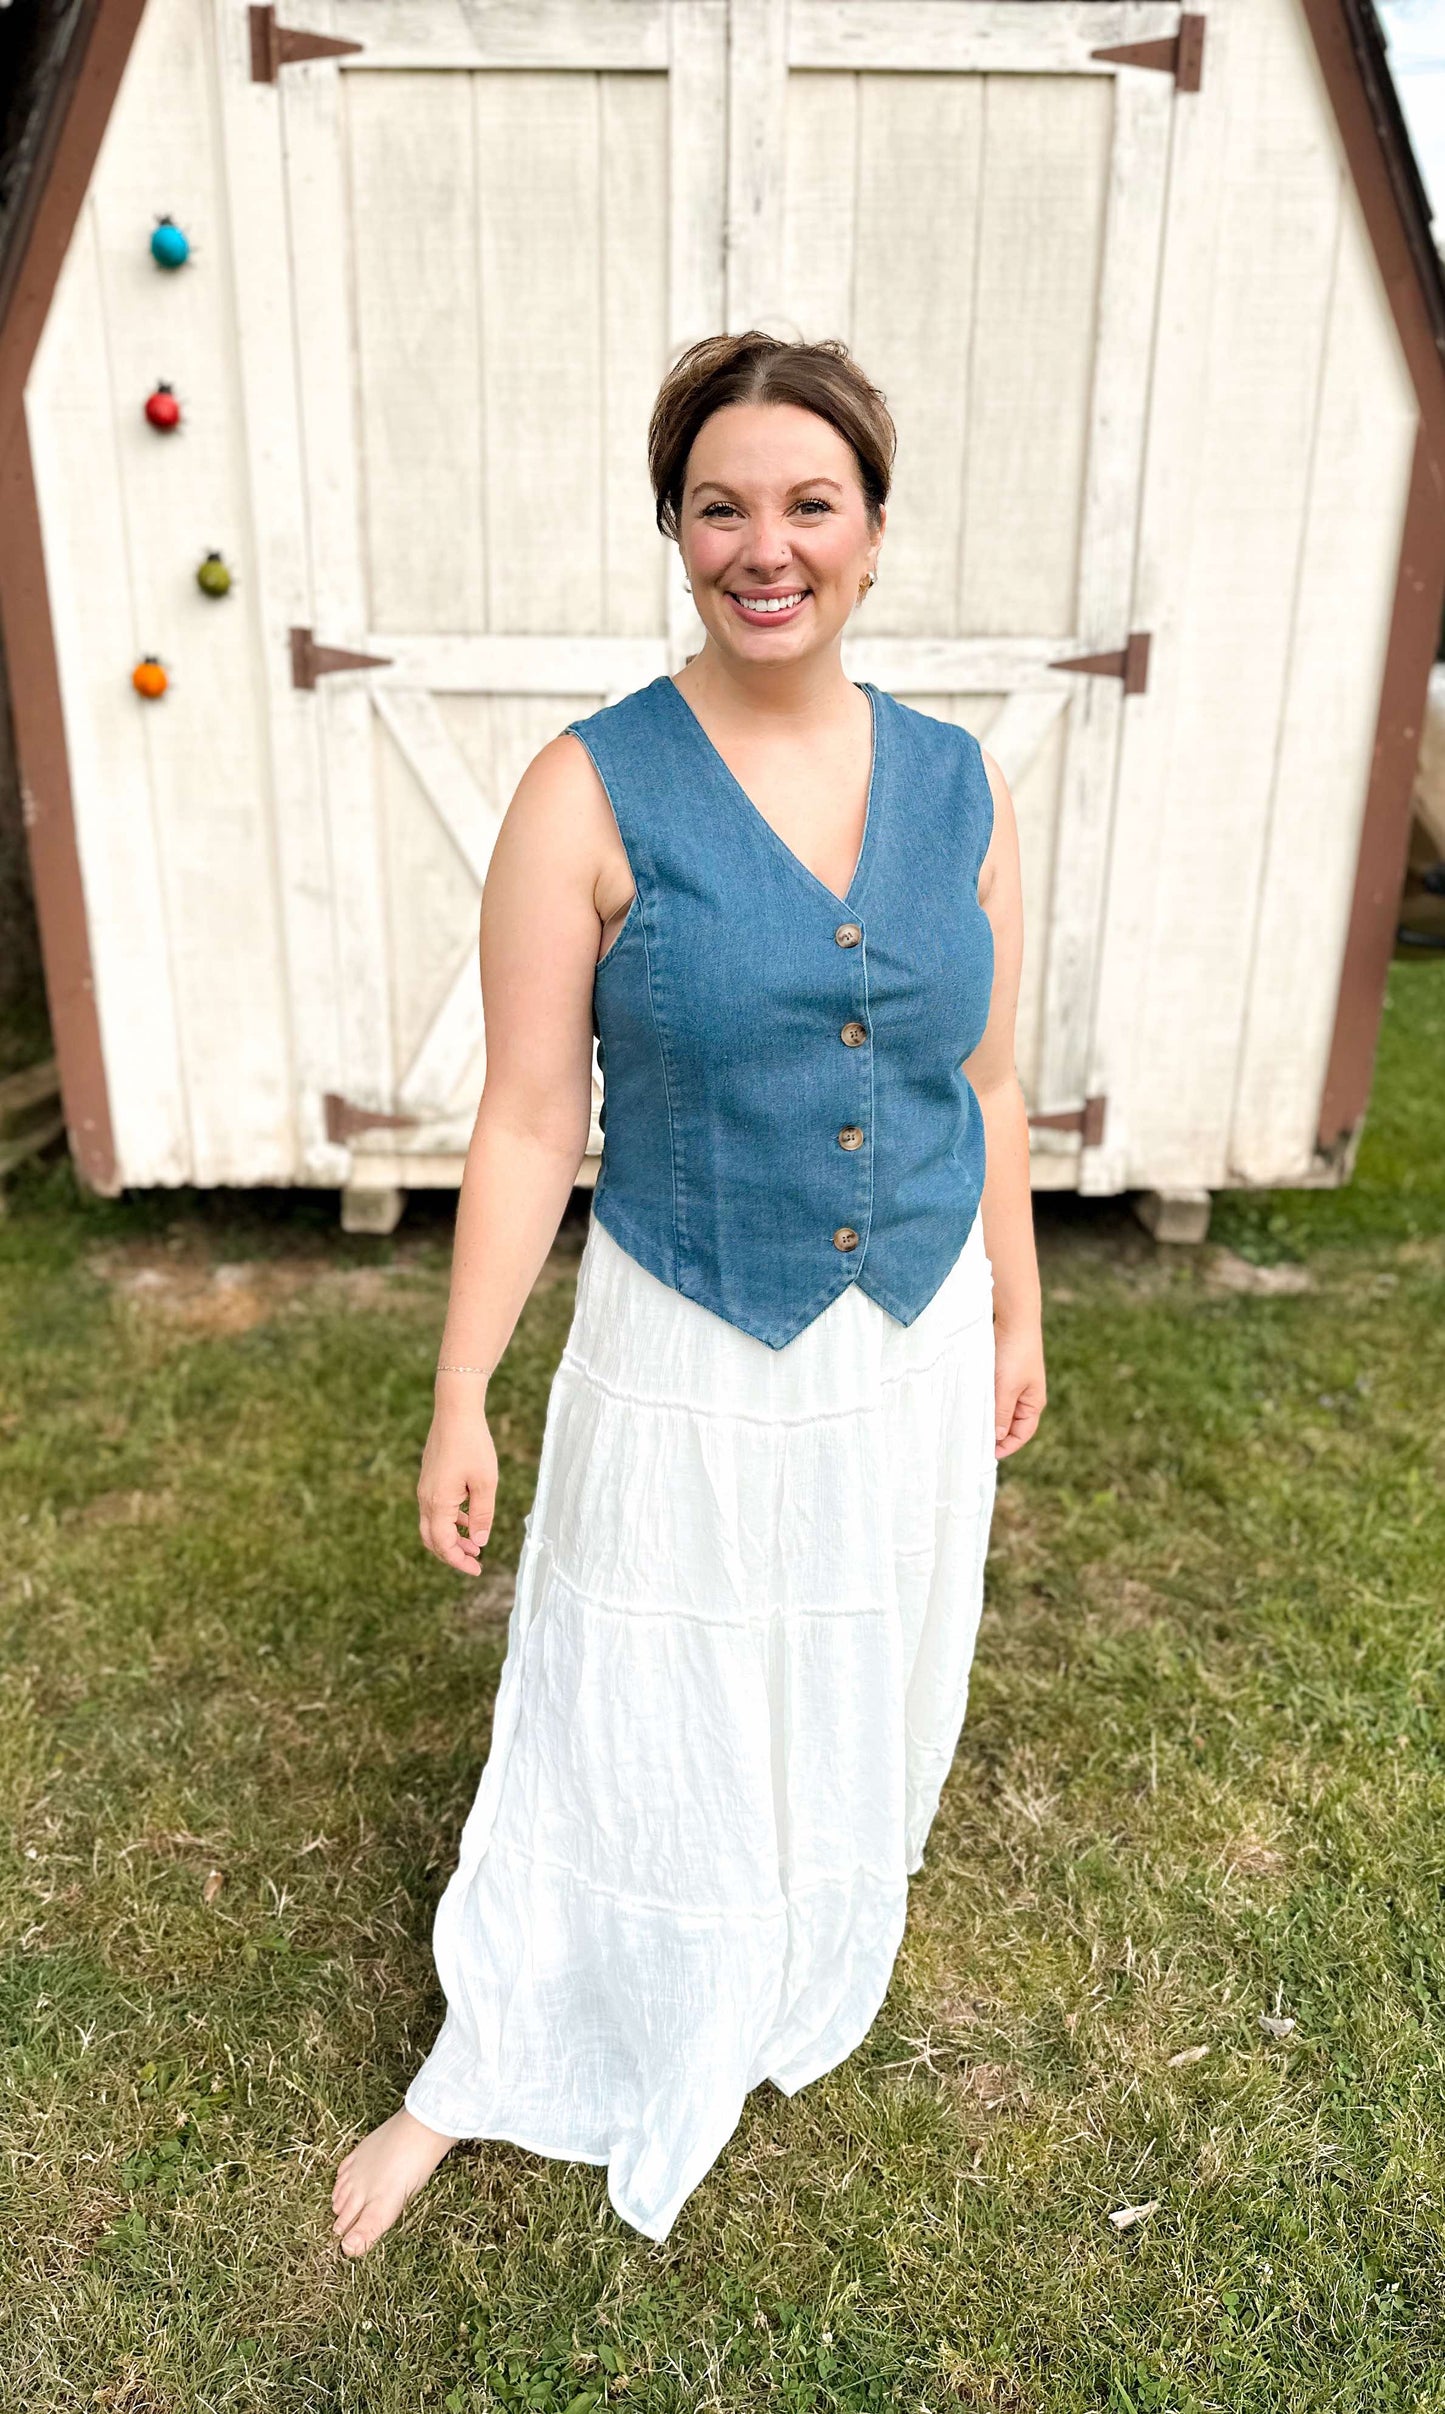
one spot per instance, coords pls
(1358, 476)
(71, 416)
(277, 594)
(1001, 37)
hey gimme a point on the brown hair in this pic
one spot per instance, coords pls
(722, 369)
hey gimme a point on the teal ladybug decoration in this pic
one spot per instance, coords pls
(169, 247)
(213, 578)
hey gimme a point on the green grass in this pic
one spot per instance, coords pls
(1201, 1783)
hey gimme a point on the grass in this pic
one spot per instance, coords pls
(1201, 1789)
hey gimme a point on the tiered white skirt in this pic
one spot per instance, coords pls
(736, 1671)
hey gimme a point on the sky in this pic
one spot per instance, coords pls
(1415, 32)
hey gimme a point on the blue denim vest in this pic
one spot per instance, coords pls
(785, 1108)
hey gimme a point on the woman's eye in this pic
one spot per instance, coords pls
(806, 503)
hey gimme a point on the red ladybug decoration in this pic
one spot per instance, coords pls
(149, 678)
(162, 409)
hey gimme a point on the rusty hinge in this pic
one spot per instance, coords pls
(343, 1120)
(310, 661)
(1087, 1120)
(1130, 663)
(276, 46)
(1180, 55)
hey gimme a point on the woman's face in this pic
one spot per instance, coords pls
(774, 531)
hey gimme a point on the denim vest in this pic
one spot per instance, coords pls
(785, 1109)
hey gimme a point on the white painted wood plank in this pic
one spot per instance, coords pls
(452, 1042)
(1359, 479)
(696, 218)
(757, 140)
(820, 201)
(469, 817)
(1127, 288)
(275, 592)
(543, 662)
(633, 283)
(454, 36)
(431, 897)
(1040, 365)
(1019, 728)
(1002, 37)
(539, 184)
(1246, 278)
(183, 493)
(919, 186)
(70, 409)
(410, 173)
(958, 665)
(312, 105)
(553, 662)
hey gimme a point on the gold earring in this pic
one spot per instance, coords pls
(865, 582)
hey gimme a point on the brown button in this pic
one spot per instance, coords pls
(850, 1136)
(853, 1035)
(847, 934)
(845, 1237)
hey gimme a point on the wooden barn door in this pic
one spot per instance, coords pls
(494, 226)
(972, 195)
(501, 224)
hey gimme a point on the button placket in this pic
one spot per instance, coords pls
(854, 1034)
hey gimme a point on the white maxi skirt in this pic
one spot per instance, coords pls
(736, 1670)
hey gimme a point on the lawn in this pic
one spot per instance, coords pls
(1176, 1953)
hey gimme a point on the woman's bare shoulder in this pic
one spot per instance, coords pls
(559, 799)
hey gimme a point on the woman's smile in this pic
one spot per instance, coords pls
(784, 603)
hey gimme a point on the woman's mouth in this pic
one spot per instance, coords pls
(784, 604)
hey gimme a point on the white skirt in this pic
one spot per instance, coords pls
(736, 1670)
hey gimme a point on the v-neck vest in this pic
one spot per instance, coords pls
(785, 1107)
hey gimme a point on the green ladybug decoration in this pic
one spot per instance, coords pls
(213, 578)
(169, 247)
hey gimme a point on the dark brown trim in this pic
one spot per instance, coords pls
(1382, 165)
(63, 167)
(102, 49)
(1385, 834)
(34, 675)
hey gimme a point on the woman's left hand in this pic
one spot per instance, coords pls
(1019, 1390)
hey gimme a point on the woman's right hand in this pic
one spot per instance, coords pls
(457, 1487)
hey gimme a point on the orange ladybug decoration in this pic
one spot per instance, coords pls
(162, 409)
(149, 678)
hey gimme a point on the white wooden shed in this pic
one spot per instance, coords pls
(1151, 294)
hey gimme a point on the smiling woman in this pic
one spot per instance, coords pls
(806, 1330)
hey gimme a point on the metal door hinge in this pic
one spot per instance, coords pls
(1130, 663)
(1180, 55)
(276, 46)
(1087, 1120)
(310, 661)
(344, 1121)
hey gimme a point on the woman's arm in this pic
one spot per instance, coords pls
(539, 938)
(1008, 1220)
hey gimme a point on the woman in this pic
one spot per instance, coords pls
(807, 1327)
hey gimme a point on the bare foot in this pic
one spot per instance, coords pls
(379, 2177)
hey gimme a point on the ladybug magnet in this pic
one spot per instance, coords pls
(162, 409)
(169, 247)
(149, 677)
(213, 578)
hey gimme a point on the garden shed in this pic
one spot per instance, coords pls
(328, 334)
